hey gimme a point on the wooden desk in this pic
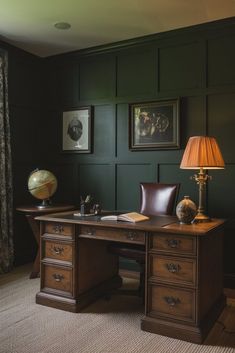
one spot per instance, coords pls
(184, 286)
(31, 212)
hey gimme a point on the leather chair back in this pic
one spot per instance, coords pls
(158, 198)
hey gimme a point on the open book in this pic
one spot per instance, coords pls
(126, 217)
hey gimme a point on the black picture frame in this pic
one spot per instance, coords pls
(154, 125)
(77, 130)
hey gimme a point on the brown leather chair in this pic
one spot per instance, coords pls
(156, 199)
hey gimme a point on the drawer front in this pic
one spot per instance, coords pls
(172, 302)
(173, 243)
(55, 278)
(59, 228)
(119, 235)
(173, 269)
(58, 251)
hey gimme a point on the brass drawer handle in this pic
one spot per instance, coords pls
(173, 268)
(57, 277)
(131, 235)
(173, 243)
(58, 229)
(90, 231)
(57, 250)
(172, 301)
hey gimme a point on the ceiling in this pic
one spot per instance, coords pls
(29, 24)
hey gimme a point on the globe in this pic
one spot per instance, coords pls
(42, 184)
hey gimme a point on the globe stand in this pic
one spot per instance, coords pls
(45, 203)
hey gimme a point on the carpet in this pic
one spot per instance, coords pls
(104, 327)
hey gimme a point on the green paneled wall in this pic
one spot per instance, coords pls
(181, 66)
(221, 119)
(97, 78)
(99, 181)
(136, 72)
(221, 61)
(104, 122)
(170, 173)
(128, 179)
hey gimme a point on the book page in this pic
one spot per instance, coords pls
(126, 217)
(132, 217)
(109, 218)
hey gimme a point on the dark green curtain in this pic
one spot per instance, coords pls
(6, 197)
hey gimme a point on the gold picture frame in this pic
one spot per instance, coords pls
(154, 125)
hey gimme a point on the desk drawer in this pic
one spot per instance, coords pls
(119, 235)
(57, 279)
(173, 243)
(57, 228)
(172, 302)
(57, 251)
(173, 269)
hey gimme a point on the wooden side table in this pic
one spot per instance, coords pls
(31, 212)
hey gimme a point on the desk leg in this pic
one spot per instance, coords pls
(34, 225)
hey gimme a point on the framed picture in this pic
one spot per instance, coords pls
(154, 125)
(76, 130)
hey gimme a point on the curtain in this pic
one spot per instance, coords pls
(6, 193)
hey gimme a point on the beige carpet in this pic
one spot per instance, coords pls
(105, 326)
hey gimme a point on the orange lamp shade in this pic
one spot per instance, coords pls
(202, 152)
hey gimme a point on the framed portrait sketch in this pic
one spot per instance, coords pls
(154, 125)
(76, 130)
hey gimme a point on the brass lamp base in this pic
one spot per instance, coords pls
(201, 218)
(201, 179)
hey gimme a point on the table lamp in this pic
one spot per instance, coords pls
(202, 152)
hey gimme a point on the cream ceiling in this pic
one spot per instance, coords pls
(29, 24)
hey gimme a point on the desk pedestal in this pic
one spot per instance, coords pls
(184, 281)
(31, 212)
(74, 272)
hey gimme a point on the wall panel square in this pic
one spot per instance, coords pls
(129, 177)
(104, 131)
(221, 193)
(192, 118)
(171, 173)
(97, 180)
(122, 129)
(181, 67)
(221, 123)
(97, 77)
(221, 61)
(136, 72)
